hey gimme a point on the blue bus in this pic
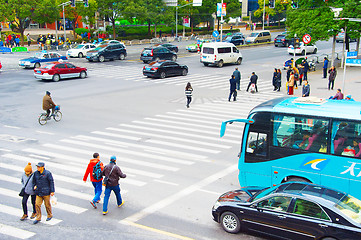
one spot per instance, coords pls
(302, 139)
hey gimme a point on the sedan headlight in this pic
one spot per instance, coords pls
(216, 205)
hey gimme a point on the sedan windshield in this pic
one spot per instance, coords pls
(79, 46)
(253, 35)
(228, 38)
(351, 207)
(48, 66)
(38, 55)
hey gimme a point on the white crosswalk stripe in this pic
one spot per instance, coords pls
(15, 232)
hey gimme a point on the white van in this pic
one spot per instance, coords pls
(259, 36)
(218, 53)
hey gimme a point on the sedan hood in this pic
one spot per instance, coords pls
(235, 196)
(29, 59)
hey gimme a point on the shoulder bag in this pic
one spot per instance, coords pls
(106, 178)
(22, 192)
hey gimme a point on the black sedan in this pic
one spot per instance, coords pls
(164, 69)
(292, 210)
(170, 46)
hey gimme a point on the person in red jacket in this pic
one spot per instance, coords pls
(97, 183)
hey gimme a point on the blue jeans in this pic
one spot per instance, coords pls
(107, 192)
(97, 190)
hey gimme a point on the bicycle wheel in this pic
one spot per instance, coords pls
(57, 116)
(42, 119)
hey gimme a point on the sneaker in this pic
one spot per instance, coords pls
(49, 218)
(104, 213)
(93, 204)
(33, 215)
(98, 201)
(121, 204)
(25, 216)
(36, 221)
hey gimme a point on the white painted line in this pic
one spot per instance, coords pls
(224, 116)
(120, 136)
(17, 212)
(5, 150)
(166, 182)
(82, 162)
(186, 134)
(177, 145)
(187, 140)
(37, 156)
(180, 194)
(8, 126)
(211, 192)
(15, 232)
(141, 146)
(59, 205)
(43, 132)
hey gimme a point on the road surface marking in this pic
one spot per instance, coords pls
(15, 232)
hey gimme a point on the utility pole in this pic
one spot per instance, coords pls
(264, 10)
(221, 22)
(176, 18)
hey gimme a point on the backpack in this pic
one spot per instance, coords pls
(97, 171)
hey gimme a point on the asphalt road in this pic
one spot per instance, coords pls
(176, 163)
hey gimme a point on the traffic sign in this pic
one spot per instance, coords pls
(306, 39)
(215, 34)
(353, 62)
(351, 54)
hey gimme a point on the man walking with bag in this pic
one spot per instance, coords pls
(95, 170)
(43, 183)
(112, 174)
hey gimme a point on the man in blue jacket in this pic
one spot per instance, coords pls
(325, 66)
(232, 89)
(43, 183)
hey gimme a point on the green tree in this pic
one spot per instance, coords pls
(351, 9)
(112, 10)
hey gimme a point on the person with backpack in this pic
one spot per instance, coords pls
(111, 174)
(95, 170)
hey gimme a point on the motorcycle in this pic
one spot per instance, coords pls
(311, 64)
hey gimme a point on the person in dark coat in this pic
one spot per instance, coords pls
(306, 68)
(305, 89)
(253, 79)
(48, 104)
(279, 80)
(331, 78)
(26, 181)
(43, 183)
(232, 89)
(237, 76)
(288, 74)
(339, 95)
(113, 172)
(274, 80)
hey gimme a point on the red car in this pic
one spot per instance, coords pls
(59, 70)
(1, 65)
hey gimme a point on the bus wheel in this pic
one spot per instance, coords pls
(297, 179)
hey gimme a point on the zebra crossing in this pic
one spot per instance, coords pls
(150, 150)
(216, 81)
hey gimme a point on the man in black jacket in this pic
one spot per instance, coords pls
(43, 183)
(252, 80)
(113, 173)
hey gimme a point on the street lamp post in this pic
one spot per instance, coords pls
(176, 18)
(264, 6)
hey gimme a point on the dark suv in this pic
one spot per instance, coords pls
(235, 39)
(157, 53)
(282, 41)
(107, 51)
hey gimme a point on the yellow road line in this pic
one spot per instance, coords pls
(156, 230)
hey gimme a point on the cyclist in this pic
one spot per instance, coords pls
(48, 104)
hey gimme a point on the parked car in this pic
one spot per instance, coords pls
(219, 53)
(259, 36)
(340, 37)
(311, 48)
(154, 53)
(194, 46)
(40, 58)
(59, 70)
(235, 39)
(80, 50)
(111, 42)
(107, 51)
(164, 69)
(292, 210)
(281, 40)
(170, 46)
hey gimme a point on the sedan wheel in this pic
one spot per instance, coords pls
(162, 75)
(184, 72)
(303, 52)
(80, 55)
(239, 61)
(174, 58)
(230, 222)
(101, 59)
(37, 65)
(315, 51)
(121, 56)
(220, 63)
(82, 74)
(56, 78)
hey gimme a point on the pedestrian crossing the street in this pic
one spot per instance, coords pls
(150, 151)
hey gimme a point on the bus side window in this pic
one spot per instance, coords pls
(346, 140)
(257, 143)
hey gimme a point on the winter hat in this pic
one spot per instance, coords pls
(113, 158)
(28, 168)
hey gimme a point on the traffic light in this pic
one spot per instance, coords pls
(297, 42)
(271, 3)
(72, 3)
(86, 3)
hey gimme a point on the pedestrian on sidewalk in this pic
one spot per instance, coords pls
(43, 183)
(95, 169)
(291, 83)
(301, 72)
(288, 73)
(237, 76)
(331, 77)
(306, 68)
(305, 89)
(279, 80)
(338, 96)
(325, 66)
(112, 172)
(275, 79)
(28, 39)
(26, 181)
(188, 93)
(253, 80)
(232, 89)
(349, 98)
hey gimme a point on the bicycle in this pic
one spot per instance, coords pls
(43, 119)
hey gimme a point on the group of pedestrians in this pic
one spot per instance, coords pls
(11, 40)
(298, 74)
(277, 80)
(107, 176)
